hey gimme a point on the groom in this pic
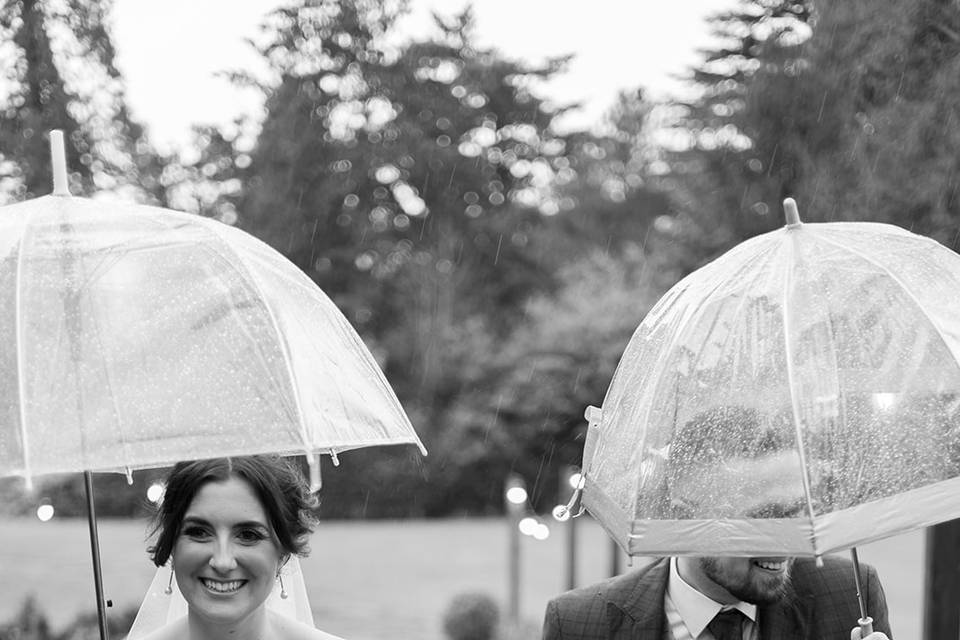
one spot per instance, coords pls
(719, 464)
(715, 598)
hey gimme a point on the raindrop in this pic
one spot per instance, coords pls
(387, 174)
(443, 141)
(364, 261)
(469, 149)
(760, 208)
(351, 200)
(476, 100)
(330, 83)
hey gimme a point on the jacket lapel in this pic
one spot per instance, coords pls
(635, 605)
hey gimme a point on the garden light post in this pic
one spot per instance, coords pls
(515, 500)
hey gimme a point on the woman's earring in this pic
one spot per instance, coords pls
(169, 588)
(283, 591)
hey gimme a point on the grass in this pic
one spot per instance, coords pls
(375, 580)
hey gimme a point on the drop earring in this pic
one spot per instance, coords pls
(283, 591)
(169, 588)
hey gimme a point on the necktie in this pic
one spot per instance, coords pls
(727, 625)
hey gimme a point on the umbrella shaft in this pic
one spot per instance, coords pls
(856, 577)
(95, 553)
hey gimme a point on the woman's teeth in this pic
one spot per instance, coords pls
(222, 587)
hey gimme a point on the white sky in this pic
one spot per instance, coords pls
(169, 50)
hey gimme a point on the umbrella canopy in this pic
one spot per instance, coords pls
(135, 336)
(796, 396)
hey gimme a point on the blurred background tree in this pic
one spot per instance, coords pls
(59, 73)
(495, 266)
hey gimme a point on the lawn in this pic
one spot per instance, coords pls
(375, 580)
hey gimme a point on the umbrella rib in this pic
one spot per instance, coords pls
(281, 339)
(794, 401)
(21, 383)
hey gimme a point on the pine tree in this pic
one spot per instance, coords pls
(59, 73)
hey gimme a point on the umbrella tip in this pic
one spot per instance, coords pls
(791, 213)
(58, 161)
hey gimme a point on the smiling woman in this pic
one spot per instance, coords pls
(229, 527)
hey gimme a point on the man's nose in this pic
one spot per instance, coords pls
(223, 559)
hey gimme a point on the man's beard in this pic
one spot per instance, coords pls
(755, 587)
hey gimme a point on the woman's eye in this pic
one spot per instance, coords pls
(250, 535)
(193, 531)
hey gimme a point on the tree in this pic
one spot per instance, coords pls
(522, 407)
(889, 89)
(59, 73)
(743, 138)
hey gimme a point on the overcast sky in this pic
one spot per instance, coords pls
(169, 50)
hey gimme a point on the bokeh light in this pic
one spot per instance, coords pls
(45, 512)
(517, 495)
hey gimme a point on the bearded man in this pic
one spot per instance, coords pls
(724, 464)
(712, 598)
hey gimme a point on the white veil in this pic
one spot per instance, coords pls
(160, 608)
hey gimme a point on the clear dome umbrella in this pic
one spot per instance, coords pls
(797, 396)
(134, 337)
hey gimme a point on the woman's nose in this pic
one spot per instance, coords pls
(223, 559)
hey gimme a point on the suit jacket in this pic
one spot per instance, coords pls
(822, 606)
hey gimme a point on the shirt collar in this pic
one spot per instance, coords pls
(696, 609)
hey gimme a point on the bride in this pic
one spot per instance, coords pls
(231, 529)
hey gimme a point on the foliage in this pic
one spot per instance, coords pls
(890, 152)
(59, 73)
(471, 616)
(738, 144)
(845, 106)
(409, 182)
(524, 409)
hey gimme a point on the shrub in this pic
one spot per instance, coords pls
(31, 624)
(471, 616)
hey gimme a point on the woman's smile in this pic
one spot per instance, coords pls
(226, 557)
(222, 587)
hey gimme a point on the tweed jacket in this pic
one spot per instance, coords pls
(822, 606)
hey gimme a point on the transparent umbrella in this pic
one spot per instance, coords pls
(135, 336)
(797, 396)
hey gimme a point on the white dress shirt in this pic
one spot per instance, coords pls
(689, 611)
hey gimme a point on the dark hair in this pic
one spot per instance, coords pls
(279, 486)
